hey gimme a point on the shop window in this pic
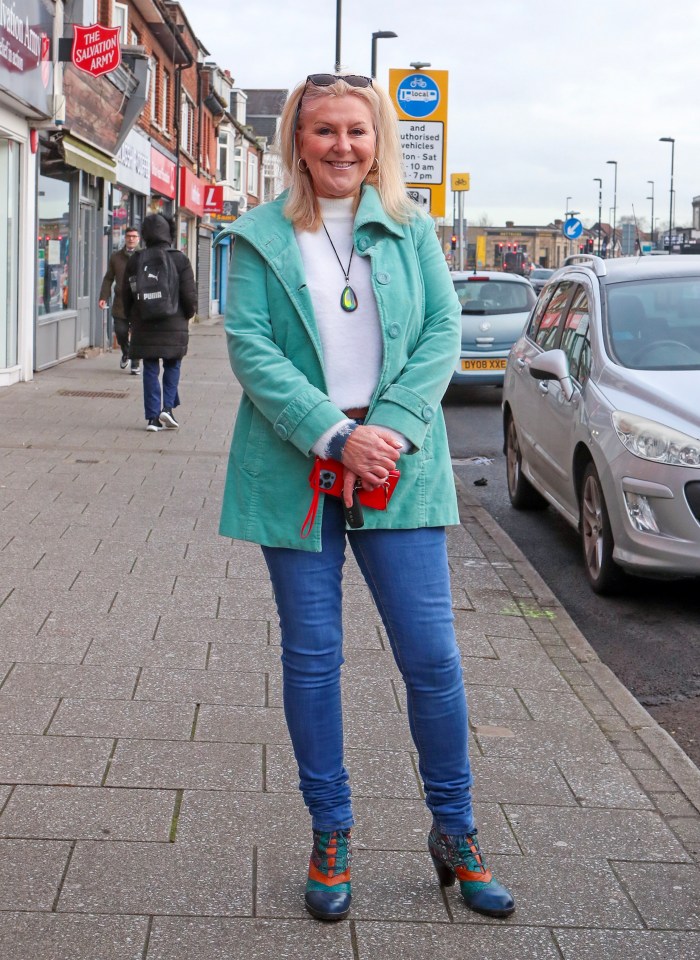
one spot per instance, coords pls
(120, 18)
(153, 88)
(53, 246)
(9, 246)
(165, 100)
(121, 216)
(184, 244)
(253, 167)
(237, 174)
(188, 121)
(222, 169)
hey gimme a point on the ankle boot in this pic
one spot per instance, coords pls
(459, 857)
(328, 886)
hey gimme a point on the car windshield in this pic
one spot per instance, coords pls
(485, 297)
(541, 274)
(655, 324)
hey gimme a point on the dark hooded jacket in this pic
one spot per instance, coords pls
(160, 339)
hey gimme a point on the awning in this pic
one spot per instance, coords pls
(84, 157)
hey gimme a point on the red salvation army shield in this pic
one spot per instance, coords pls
(96, 49)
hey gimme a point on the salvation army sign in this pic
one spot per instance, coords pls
(96, 49)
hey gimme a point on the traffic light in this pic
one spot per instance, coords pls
(453, 241)
(581, 248)
(589, 245)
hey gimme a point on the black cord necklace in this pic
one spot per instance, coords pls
(348, 298)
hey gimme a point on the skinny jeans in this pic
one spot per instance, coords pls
(155, 400)
(408, 575)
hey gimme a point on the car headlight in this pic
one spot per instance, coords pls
(654, 441)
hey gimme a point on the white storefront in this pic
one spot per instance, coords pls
(26, 88)
(131, 192)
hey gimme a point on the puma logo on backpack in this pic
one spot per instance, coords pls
(156, 284)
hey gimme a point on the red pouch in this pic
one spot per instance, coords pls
(327, 477)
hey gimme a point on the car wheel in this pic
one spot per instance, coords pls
(603, 573)
(522, 494)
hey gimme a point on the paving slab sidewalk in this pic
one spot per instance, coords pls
(148, 800)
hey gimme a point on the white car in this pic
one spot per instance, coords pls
(601, 413)
(495, 307)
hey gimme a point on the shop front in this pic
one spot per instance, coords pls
(70, 204)
(26, 88)
(194, 239)
(163, 183)
(131, 192)
(191, 197)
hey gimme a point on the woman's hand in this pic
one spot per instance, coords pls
(369, 454)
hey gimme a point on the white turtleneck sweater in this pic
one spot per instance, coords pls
(351, 342)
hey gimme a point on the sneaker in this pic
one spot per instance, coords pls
(154, 425)
(135, 371)
(123, 362)
(168, 420)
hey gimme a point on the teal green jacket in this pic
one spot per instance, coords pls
(276, 355)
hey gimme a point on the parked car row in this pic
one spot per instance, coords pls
(601, 413)
(601, 403)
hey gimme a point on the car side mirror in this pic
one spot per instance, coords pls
(553, 365)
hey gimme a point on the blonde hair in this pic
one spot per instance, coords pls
(386, 174)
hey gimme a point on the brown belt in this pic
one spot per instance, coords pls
(356, 413)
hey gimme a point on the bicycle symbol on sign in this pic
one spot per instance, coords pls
(418, 82)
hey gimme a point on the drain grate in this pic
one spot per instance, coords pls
(112, 394)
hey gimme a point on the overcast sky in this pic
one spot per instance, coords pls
(541, 93)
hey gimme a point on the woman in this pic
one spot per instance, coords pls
(162, 338)
(343, 329)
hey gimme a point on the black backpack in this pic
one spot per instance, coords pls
(156, 284)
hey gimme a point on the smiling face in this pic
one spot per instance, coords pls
(335, 137)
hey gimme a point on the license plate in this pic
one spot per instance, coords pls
(487, 363)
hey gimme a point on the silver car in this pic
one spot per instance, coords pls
(601, 413)
(494, 308)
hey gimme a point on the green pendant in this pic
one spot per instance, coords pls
(348, 300)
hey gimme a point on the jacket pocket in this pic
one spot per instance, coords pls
(426, 450)
(254, 444)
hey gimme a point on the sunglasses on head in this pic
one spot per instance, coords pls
(328, 79)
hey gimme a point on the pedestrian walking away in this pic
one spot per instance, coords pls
(160, 298)
(343, 329)
(114, 277)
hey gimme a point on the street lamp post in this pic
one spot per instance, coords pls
(652, 210)
(379, 35)
(614, 229)
(672, 141)
(338, 18)
(599, 181)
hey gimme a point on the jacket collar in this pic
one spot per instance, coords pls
(371, 211)
(271, 233)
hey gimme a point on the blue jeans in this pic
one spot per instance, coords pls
(408, 575)
(154, 402)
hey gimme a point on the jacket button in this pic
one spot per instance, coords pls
(363, 243)
(394, 330)
(383, 277)
(428, 412)
(281, 431)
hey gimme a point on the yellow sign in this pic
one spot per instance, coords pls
(459, 181)
(481, 250)
(420, 100)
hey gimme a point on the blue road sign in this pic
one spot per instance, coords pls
(418, 95)
(572, 228)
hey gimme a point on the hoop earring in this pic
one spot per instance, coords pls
(374, 169)
(301, 169)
